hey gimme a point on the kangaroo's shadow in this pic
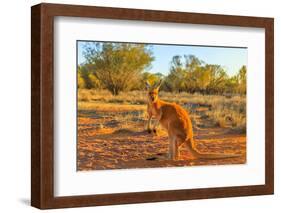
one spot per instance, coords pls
(158, 156)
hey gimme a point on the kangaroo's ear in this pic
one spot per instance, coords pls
(147, 84)
(157, 86)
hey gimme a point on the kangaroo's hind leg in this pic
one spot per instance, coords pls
(176, 150)
(170, 148)
(173, 148)
(148, 126)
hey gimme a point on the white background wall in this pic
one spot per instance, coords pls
(15, 104)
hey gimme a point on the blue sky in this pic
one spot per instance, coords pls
(232, 59)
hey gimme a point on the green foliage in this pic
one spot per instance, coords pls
(242, 78)
(80, 80)
(195, 76)
(151, 78)
(174, 81)
(121, 67)
(86, 78)
(118, 66)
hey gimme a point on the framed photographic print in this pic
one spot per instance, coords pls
(135, 106)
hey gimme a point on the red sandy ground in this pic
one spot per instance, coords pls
(102, 145)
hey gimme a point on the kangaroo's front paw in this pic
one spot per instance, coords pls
(149, 131)
(155, 131)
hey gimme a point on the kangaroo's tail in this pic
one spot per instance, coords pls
(198, 154)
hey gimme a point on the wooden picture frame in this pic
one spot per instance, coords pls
(42, 90)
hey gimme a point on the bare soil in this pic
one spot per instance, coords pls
(114, 137)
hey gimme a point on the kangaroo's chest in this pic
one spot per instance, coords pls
(156, 111)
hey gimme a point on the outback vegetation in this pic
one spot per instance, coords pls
(112, 107)
(121, 67)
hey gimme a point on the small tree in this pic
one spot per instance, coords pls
(86, 79)
(152, 78)
(80, 80)
(176, 78)
(194, 75)
(231, 85)
(217, 79)
(118, 66)
(242, 78)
